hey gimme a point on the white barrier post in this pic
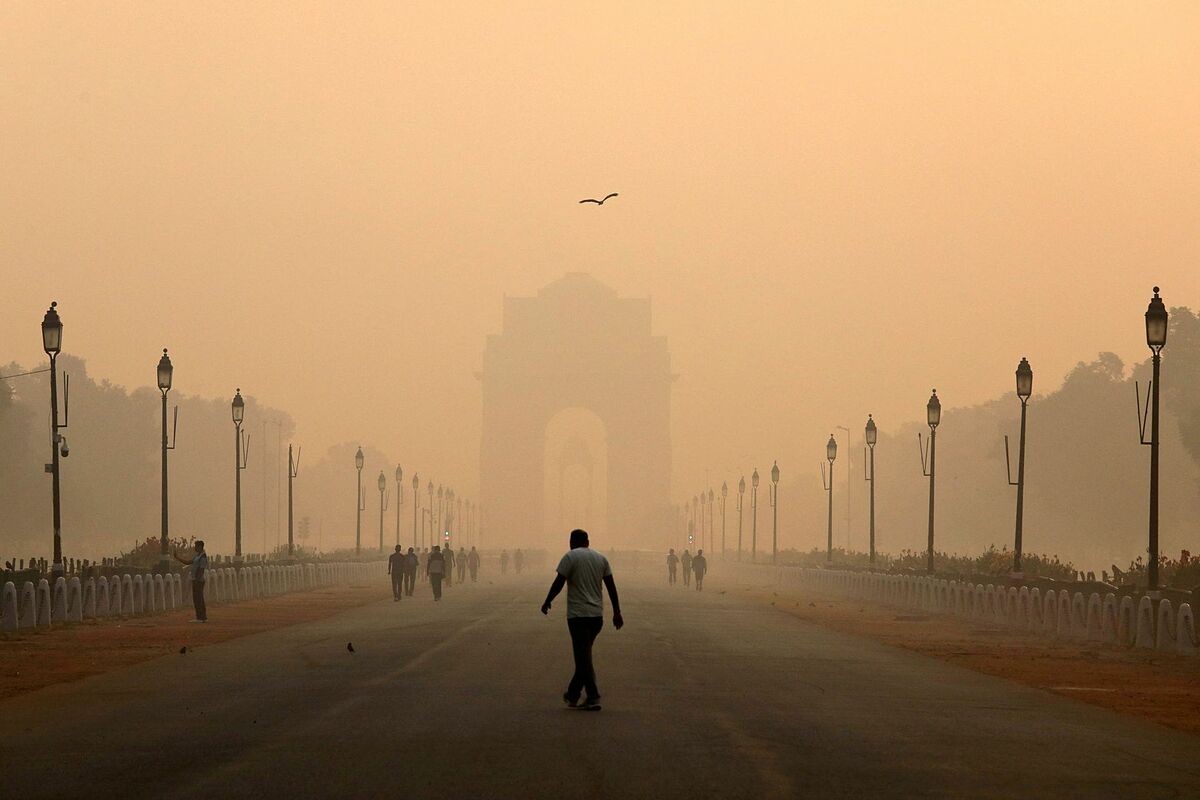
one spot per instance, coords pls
(8, 607)
(29, 606)
(1165, 629)
(58, 608)
(1145, 624)
(74, 600)
(43, 603)
(1185, 631)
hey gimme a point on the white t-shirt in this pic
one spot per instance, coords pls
(585, 571)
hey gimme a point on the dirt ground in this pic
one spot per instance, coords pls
(40, 658)
(1161, 687)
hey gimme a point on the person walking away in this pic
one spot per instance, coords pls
(460, 561)
(199, 565)
(686, 563)
(448, 555)
(423, 560)
(672, 563)
(396, 570)
(503, 562)
(518, 561)
(411, 564)
(435, 568)
(699, 567)
(582, 570)
(473, 564)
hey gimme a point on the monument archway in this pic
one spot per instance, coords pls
(576, 345)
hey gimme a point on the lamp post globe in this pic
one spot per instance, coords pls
(358, 459)
(872, 433)
(1156, 323)
(399, 474)
(933, 410)
(52, 331)
(724, 489)
(775, 472)
(165, 372)
(831, 449)
(238, 408)
(1024, 380)
(754, 479)
(382, 481)
(742, 485)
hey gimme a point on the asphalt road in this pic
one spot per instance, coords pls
(705, 695)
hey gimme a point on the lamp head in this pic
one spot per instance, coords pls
(724, 489)
(239, 408)
(742, 485)
(358, 459)
(831, 449)
(933, 410)
(382, 482)
(872, 433)
(1024, 380)
(1156, 323)
(399, 474)
(52, 331)
(754, 479)
(775, 472)
(165, 371)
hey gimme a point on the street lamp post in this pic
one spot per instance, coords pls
(724, 495)
(711, 528)
(827, 484)
(1156, 340)
(360, 503)
(933, 416)
(429, 488)
(754, 516)
(849, 471)
(165, 373)
(416, 487)
(1024, 391)
(293, 471)
(241, 452)
(741, 494)
(871, 436)
(383, 501)
(399, 499)
(774, 492)
(52, 344)
(695, 527)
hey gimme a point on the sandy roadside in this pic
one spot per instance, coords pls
(1161, 687)
(33, 660)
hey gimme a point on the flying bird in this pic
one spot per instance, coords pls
(598, 202)
(349, 647)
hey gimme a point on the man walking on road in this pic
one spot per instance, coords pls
(686, 563)
(503, 562)
(582, 570)
(699, 567)
(411, 563)
(396, 570)
(448, 556)
(199, 563)
(473, 564)
(435, 568)
(672, 562)
(460, 561)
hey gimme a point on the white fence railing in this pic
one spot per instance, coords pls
(143, 593)
(1058, 614)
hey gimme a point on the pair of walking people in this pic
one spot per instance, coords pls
(403, 569)
(693, 566)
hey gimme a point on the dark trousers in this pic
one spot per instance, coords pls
(397, 585)
(687, 573)
(584, 631)
(671, 574)
(699, 581)
(436, 580)
(410, 578)
(474, 574)
(198, 599)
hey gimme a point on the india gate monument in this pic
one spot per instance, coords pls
(576, 419)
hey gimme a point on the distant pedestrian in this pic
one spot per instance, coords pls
(699, 568)
(199, 564)
(473, 564)
(435, 568)
(582, 570)
(460, 561)
(518, 561)
(672, 564)
(411, 564)
(423, 561)
(686, 563)
(448, 555)
(396, 570)
(503, 562)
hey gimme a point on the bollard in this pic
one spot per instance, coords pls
(1145, 624)
(127, 600)
(101, 597)
(8, 607)
(1035, 610)
(1126, 622)
(43, 602)
(160, 589)
(139, 595)
(29, 611)
(1078, 617)
(58, 607)
(74, 600)
(1185, 631)
(1108, 619)
(1165, 628)
(1063, 630)
(1095, 616)
(89, 599)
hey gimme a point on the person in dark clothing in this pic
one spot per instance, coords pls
(518, 561)
(503, 562)
(410, 571)
(473, 564)
(448, 556)
(686, 563)
(199, 564)
(582, 570)
(672, 563)
(699, 568)
(396, 570)
(435, 568)
(460, 562)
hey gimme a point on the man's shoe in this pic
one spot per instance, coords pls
(591, 702)
(570, 703)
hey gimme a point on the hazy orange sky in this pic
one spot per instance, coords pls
(834, 206)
